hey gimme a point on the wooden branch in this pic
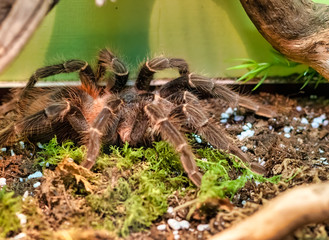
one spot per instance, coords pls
(283, 215)
(299, 29)
(18, 20)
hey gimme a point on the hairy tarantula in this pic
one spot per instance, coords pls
(93, 115)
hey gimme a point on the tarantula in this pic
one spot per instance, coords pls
(114, 114)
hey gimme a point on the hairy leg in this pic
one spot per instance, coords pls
(207, 87)
(106, 122)
(85, 72)
(35, 124)
(169, 132)
(154, 65)
(190, 112)
(108, 61)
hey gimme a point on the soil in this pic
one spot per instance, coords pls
(293, 144)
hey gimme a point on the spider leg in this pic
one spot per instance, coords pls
(190, 112)
(154, 65)
(85, 72)
(169, 132)
(38, 123)
(106, 122)
(107, 60)
(207, 87)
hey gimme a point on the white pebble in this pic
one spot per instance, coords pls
(37, 174)
(184, 224)
(321, 151)
(299, 108)
(304, 121)
(243, 202)
(176, 236)
(12, 153)
(174, 224)
(247, 126)
(246, 134)
(229, 111)
(287, 135)
(3, 149)
(25, 195)
(238, 118)
(315, 125)
(270, 127)
(162, 227)
(37, 184)
(20, 236)
(244, 149)
(22, 218)
(287, 129)
(223, 120)
(203, 227)
(22, 145)
(3, 182)
(325, 122)
(224, 116)
(39, 145)
(170, 210)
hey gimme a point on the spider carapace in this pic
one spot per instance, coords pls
(114, 114)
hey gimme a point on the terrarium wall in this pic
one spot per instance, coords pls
(209, 34)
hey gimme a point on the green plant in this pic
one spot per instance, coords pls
(256, 69)
(52, 152)
(217, 180)
(9, 207)
(147, 177)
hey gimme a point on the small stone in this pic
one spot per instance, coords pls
(39, 145)
(174, 224)
(184, 224)
(37, 174)
(299, 108)
(25, 195)
(287, 129)
(22, 145)
(224, 116)
(20, 236)
(304, 121)
(170, 210)
(37, 184)
(238, 118)
(3, 182)
(229, 111)
(3, 149)
(12, 153)
(287, 135)
(223, 120)
(162, 227)
(315, 125)
(203, 227)
(22, 218)
(244, 149)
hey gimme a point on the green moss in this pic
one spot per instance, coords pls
(9, 206)
(52, 153)
(140, 197)
(136, 183)
(217, 180)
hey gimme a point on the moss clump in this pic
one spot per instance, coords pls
(218, 180)
(52, 153)
(140, 196)
(9, 207)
